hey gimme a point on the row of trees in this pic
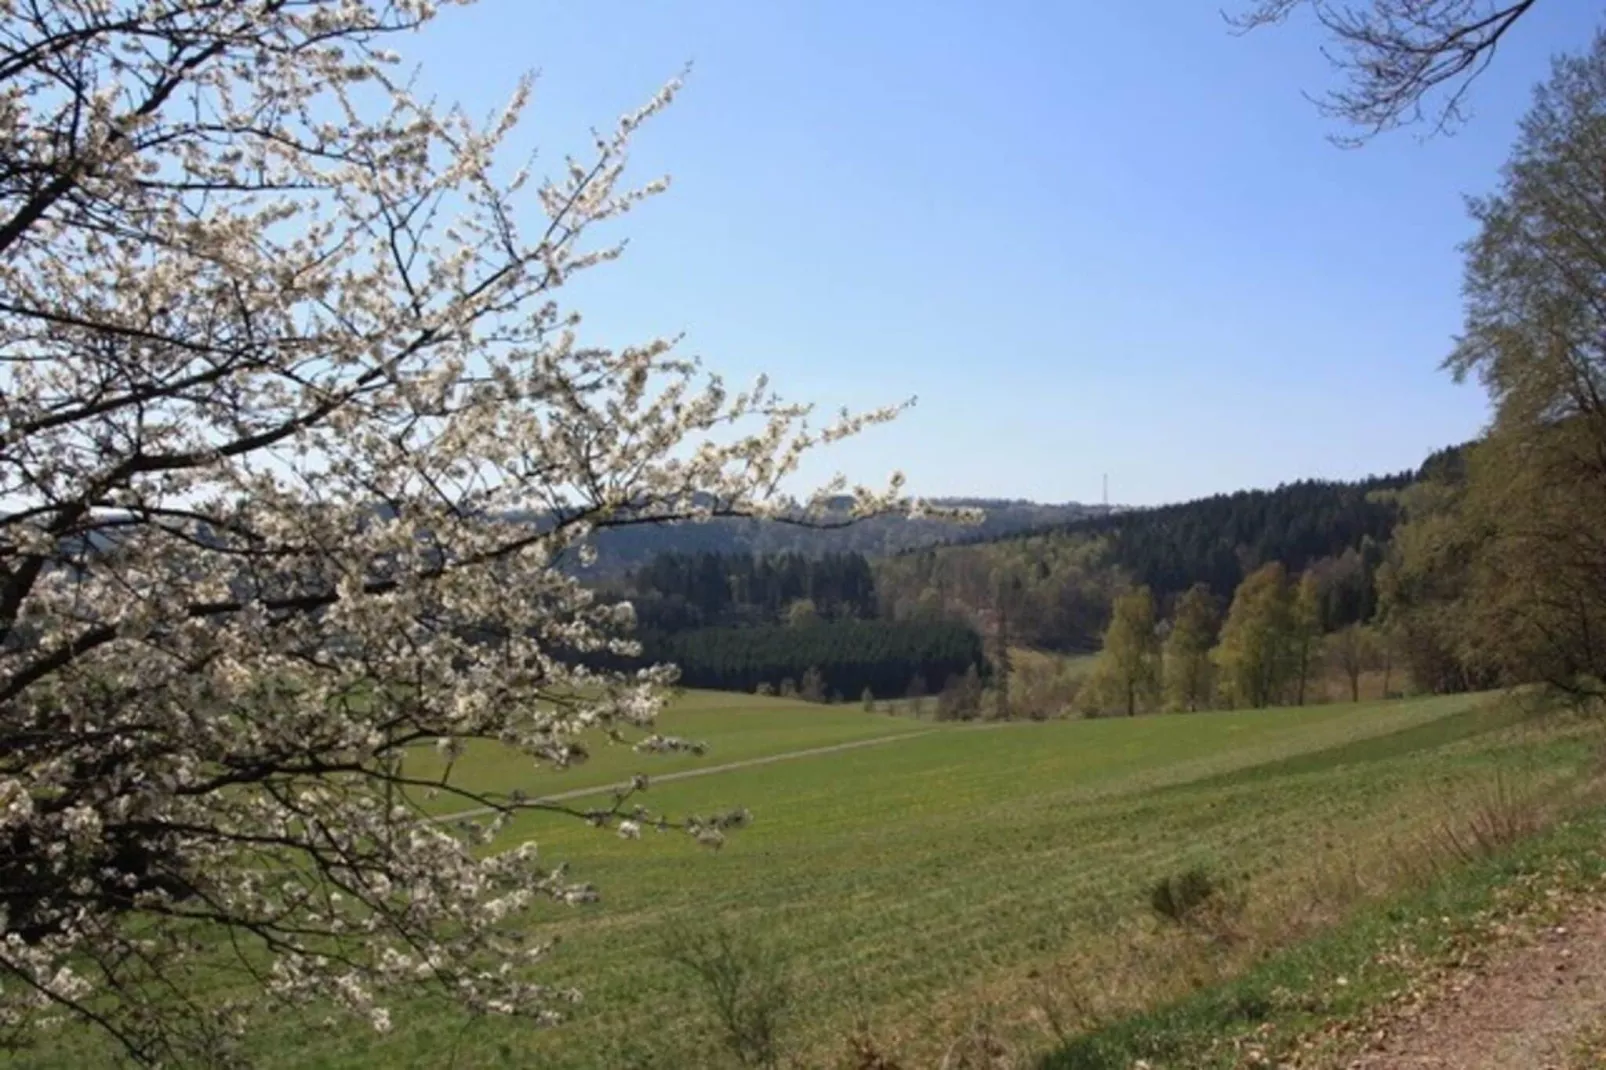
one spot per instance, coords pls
(1271, 649)
(626, 548)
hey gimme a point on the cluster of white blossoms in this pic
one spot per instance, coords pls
(299, 458)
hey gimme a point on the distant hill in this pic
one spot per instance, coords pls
(624, 549)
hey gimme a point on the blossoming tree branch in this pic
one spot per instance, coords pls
(298, 448)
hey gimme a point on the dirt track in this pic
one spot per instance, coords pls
(1525, 1009)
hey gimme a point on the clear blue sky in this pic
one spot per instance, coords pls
(1091, 237)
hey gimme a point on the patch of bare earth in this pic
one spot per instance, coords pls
(1524, 1008)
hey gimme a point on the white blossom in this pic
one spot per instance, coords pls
(298, 447)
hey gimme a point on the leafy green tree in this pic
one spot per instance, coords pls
(1306, 632)
(1424, 586)
(1188, 673)
(1254, 656)
(1535, 335)
(1131, 654)
(1354, 650)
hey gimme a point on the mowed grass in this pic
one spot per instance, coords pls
(733, 727)
(906, 880)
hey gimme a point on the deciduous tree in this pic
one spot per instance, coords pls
(1535, 336)
(1130, 660)
(1255, 655)
(298, 449)
(1188, 670)
(1307, 632)
(1353, 650)
(1405, 61)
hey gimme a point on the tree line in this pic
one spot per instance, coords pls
(824, 660)
(1269, 649)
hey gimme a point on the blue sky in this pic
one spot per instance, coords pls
(1091, 237)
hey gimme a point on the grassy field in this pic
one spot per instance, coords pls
(908, 884)
(734, 728)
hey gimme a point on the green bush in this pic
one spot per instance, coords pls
(1179, 898)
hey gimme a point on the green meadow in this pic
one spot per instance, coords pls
(732, 727)
(907, 883)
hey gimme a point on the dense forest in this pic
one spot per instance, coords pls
(674, 591)
(1219, 540)
(824, 660)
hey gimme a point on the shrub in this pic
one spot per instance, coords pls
(1179, 898)
(812, 689)
(747, 984)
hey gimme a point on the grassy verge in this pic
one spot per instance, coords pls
(1301, 1004)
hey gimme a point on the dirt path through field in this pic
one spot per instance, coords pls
(727, 767)
(1524, 1009)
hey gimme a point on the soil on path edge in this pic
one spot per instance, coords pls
(1526, 1008)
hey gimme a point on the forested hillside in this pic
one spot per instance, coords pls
(625, 548)
(1054, 588)
(675, 591)
(915, 620)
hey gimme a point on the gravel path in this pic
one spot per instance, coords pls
(1526, 1009)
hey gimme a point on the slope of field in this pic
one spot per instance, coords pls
(903, 881)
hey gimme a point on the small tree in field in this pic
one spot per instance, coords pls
(812, 687)
(1354, 651)
(297, 452)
